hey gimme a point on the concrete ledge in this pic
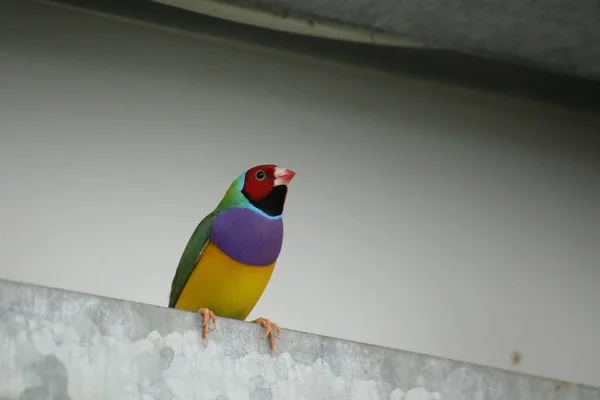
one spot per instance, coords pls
(87, 18)
(555, 35)
(65, 345)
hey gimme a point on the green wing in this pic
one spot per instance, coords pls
(191, 255)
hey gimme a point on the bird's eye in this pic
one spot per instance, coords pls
(260, 175)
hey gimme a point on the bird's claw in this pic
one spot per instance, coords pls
(273, 330)
(207, 317)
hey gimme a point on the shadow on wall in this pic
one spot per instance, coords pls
(410, 98)
(442, 66)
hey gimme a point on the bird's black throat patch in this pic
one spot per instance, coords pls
(272, 204)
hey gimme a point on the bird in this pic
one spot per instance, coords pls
(230, 257)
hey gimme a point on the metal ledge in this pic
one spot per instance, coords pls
(66, 345)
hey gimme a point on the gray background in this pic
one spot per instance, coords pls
(424, 216)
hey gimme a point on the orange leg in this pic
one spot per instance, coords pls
(272, 330)
(207, 317)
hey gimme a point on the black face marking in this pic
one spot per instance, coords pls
(272, 204)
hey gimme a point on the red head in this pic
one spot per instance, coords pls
(265, 187)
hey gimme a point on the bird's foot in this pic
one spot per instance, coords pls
(207, 317)
(272, 330)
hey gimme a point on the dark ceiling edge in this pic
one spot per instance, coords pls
(551, 35)
(436, 65)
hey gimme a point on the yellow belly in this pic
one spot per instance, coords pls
(226, 287)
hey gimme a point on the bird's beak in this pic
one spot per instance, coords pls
(283, 176)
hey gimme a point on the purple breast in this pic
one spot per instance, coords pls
(247, 236)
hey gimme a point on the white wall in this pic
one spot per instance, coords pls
(423, 217)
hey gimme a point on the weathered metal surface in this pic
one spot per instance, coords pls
(56, 344)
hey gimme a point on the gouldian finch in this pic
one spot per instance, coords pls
(230, 257)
